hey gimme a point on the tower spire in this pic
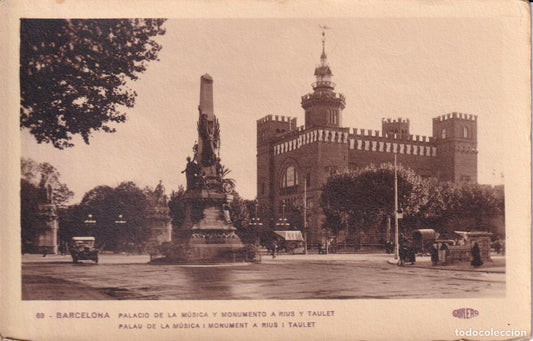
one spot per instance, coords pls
(324, 57)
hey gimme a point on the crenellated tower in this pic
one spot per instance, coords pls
(323, 107)
(269, 129)
(456, 139)
(395, 127)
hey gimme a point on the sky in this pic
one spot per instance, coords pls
(416, 68)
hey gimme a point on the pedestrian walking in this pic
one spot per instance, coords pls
(476, 256)
(274, 248)
(434, 254)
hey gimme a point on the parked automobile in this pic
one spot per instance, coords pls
(82, 248)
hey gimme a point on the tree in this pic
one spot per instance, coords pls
(74, 74)
(119, 215)
(177, 208)
(469, 206)
(241, 211)
(35, 173)
(364, 198)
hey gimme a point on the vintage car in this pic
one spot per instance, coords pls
(82, 248)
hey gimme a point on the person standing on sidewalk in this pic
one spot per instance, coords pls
(434, 251)
(274, 249)
(443, 254)
(476, 256)
(403, 254)
(412, 254)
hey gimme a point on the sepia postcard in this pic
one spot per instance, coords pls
(283, 170)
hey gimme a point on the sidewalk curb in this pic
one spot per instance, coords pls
(395, 262)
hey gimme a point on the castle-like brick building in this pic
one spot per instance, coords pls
(292, 159)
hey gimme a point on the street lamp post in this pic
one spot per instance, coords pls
(282, 221)
(305, 215)
(120, 222)
(90, 222)
(396, 237)
(256, 222)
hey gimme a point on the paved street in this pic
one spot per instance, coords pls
(339, 276)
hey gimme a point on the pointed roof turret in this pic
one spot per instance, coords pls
(323, 72)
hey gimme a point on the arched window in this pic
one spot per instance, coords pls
(465, 132)
(443, 133)
(289, 178)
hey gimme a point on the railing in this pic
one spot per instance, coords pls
(288, 190)
(323, 84)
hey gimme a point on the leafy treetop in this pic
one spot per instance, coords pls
(74, 74)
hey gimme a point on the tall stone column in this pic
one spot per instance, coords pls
(207, 234)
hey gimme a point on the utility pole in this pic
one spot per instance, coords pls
(396, 237)
(305, 215)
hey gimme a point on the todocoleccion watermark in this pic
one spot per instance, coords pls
(490, 332)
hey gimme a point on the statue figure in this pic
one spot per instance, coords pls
(46, 190)
(192, 171)
(49, 196)
(226, 211)
(209, 133)
(159, 193)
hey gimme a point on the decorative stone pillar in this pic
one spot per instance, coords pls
(46, 231)
(159, 218)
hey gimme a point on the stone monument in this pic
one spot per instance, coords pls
(207, 234)
(47, 225)
(158, 218)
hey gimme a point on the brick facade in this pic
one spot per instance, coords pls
(288, 154)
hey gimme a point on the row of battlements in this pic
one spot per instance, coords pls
(395, 120)
(277, 118)
(456, 115)
(380, 134)
(355, 132)
(296, 140)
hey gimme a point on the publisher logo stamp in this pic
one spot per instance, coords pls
(465, 313)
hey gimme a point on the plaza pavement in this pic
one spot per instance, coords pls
(496, 265)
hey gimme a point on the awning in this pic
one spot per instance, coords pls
(470, 234)
(290, 235)
(82, 238)
(426, 233)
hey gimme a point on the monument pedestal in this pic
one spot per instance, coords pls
(206, 235)
(46, 233)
